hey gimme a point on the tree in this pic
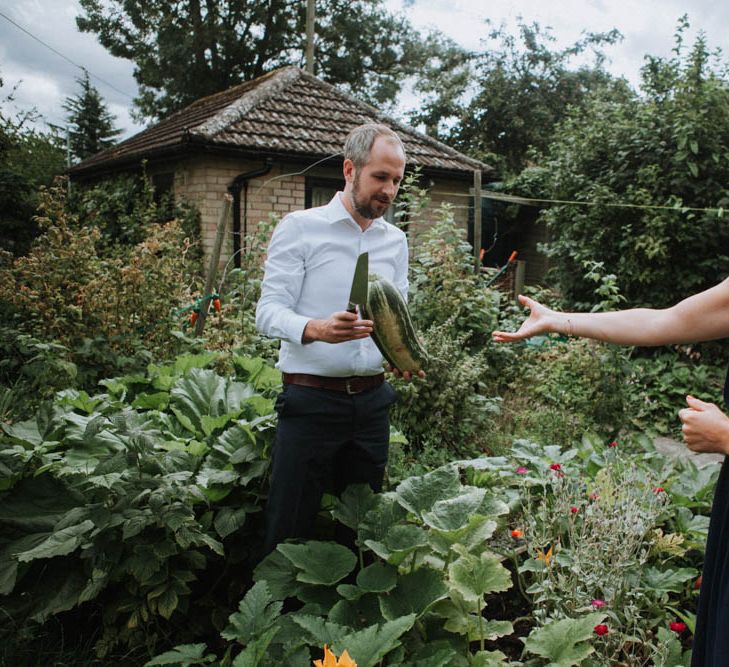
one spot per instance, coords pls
(653, 173)
(505, 101)
(29, 158)
(186, 50)
(91, 122)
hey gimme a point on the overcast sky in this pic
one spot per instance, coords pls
(45, 78)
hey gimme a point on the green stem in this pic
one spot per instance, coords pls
(519, 578)
(480, 624)
(412, 562)
(361, 557)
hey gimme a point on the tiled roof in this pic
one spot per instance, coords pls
(286, 113)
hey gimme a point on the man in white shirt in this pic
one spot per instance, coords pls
(333, 427)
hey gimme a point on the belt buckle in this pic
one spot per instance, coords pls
(348, 387)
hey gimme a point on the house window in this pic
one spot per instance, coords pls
(163, 185)
(319, 192)
(164, 194)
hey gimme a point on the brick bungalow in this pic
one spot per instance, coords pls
(274, 143)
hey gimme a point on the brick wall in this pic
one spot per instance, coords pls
(204, 182)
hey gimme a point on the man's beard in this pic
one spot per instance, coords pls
(364, 208)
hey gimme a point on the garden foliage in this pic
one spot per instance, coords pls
(642, 169)
(599, 552)
(110, 305)
(136, 499)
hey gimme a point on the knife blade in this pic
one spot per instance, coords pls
(358, 293)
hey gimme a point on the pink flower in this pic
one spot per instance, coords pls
(677, 626)
(521, 470)
(601, 629)
(555, 466)
(613, 444)
(574, 510)
(594, 495)
(597, 603)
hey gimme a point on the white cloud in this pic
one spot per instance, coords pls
(648, 27)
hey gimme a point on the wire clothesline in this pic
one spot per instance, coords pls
(533, 201)
(496, 196)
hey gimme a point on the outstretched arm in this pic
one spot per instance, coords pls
(703, 316)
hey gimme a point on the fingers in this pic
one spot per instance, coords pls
(505, 336)
(698, 404)
(348, 326)
(705, 428)
(405, 375)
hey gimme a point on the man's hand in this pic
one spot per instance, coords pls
(407, 375)
(337, 328)
(540, 320)
(705, 427)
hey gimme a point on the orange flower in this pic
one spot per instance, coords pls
(545, 557)
(330, 660)
(516, 533)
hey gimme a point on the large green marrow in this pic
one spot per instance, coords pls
(394, 333)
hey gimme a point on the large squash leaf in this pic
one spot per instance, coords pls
(564, 643)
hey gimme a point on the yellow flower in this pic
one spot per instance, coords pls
(545, 557)
(330, 660)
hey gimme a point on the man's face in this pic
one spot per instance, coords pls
(374, 186)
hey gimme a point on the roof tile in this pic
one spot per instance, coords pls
(285, 112)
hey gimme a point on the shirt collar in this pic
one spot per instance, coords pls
(336, 211)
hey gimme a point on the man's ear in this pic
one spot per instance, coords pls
(348, 169)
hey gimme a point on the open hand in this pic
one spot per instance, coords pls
(339, 327)
(705, 427)
(540, 320)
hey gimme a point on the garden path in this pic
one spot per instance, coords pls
(678, 450)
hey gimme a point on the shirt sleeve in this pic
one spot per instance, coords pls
(282, 282)
(401, 268)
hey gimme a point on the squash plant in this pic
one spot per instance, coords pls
(127, 497)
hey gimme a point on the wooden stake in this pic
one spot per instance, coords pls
(477, 220)
(214, 261)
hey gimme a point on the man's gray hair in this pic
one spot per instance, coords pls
(358, 145)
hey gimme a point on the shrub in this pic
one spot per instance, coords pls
(449, 411)
(109, 307)
(651, 168)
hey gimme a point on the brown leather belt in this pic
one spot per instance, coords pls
(355, 384)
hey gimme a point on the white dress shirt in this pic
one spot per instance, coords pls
(309, 271)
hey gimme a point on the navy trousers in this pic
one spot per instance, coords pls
(325, 441)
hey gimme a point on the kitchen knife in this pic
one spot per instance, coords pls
(358, 293)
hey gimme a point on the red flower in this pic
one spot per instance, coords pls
(697, 583)
(601, 629)
(574, 510)
(521, 470)
(555, 466)
(658, 489)
(677, 626)
(598, 603)
(516, 533)
(613, 444)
